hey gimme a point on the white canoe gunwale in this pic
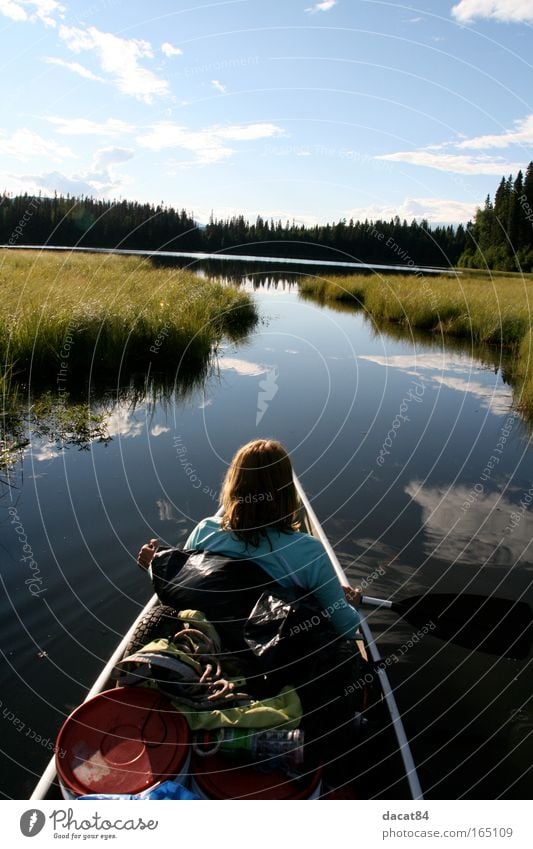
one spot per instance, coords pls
(104, 680)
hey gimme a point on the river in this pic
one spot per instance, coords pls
(392, 437)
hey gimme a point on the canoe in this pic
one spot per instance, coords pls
(381, 760)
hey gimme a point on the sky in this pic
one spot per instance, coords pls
(292, 109)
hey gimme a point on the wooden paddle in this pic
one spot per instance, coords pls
(492, 625)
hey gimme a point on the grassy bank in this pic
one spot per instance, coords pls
(487, 312)
(75, 316)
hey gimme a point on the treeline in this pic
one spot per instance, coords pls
(390, 242)
(87, 222)
(502, 233)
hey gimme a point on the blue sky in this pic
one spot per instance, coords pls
(286, 108)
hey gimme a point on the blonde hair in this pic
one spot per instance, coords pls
(258, 492)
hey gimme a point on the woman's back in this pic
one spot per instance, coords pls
(258, 521)
(291, 558)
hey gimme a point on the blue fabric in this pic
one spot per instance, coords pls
(291, 559)
(166, 790)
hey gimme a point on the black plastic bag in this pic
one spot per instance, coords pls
(267, 624)
(224, 589)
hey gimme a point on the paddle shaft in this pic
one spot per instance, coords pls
(368, 601)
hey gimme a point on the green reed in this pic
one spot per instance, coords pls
(486, 311)
(91, 314)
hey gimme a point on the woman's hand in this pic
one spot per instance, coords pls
(146, 554)
(353, 595)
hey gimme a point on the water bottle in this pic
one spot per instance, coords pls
(273, 749)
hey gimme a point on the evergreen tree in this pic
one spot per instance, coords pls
(87, 222)
(502, 234)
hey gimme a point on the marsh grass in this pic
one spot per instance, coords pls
(93, 315)
(79, 322)
(492, 312)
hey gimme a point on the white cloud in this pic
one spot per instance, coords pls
(107, 156)
(248, 132)
(523, 134)
(474, 533)
(100, 179)
(20, 183)
(242, 367)
(498, 10)
(75, 67)
(412, 364)
(449, 156)
(207, 149)
(101, 175)
(13, 10)
(324, 6)
(48, 183)
(24, 144)
(434, 210)
(456, 163)
(85, 127)
(454, 372)
(32, 10)
(219, 86)
(157, 430)
(119, 57)
(208, 145)
(166, 512)
(47, 451)
(169, 49)
(122, 422)
(497, 399)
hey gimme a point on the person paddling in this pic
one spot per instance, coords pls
(259, 521)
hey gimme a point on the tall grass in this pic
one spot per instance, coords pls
(486, 312)
(91, 315)
(67, 320)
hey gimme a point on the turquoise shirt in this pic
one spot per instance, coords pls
(291, 559)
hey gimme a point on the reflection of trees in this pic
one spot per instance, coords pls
(69, 420)
(239, 272)
(51, 418)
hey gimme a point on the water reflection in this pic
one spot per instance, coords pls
(123, 422)
(241, 367)
(446, 369)
(158, 430)
(462, 525)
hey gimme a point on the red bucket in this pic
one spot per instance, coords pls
(217, 777)
(122, 741)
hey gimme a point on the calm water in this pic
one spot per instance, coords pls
(223, 260)
(391, 439)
